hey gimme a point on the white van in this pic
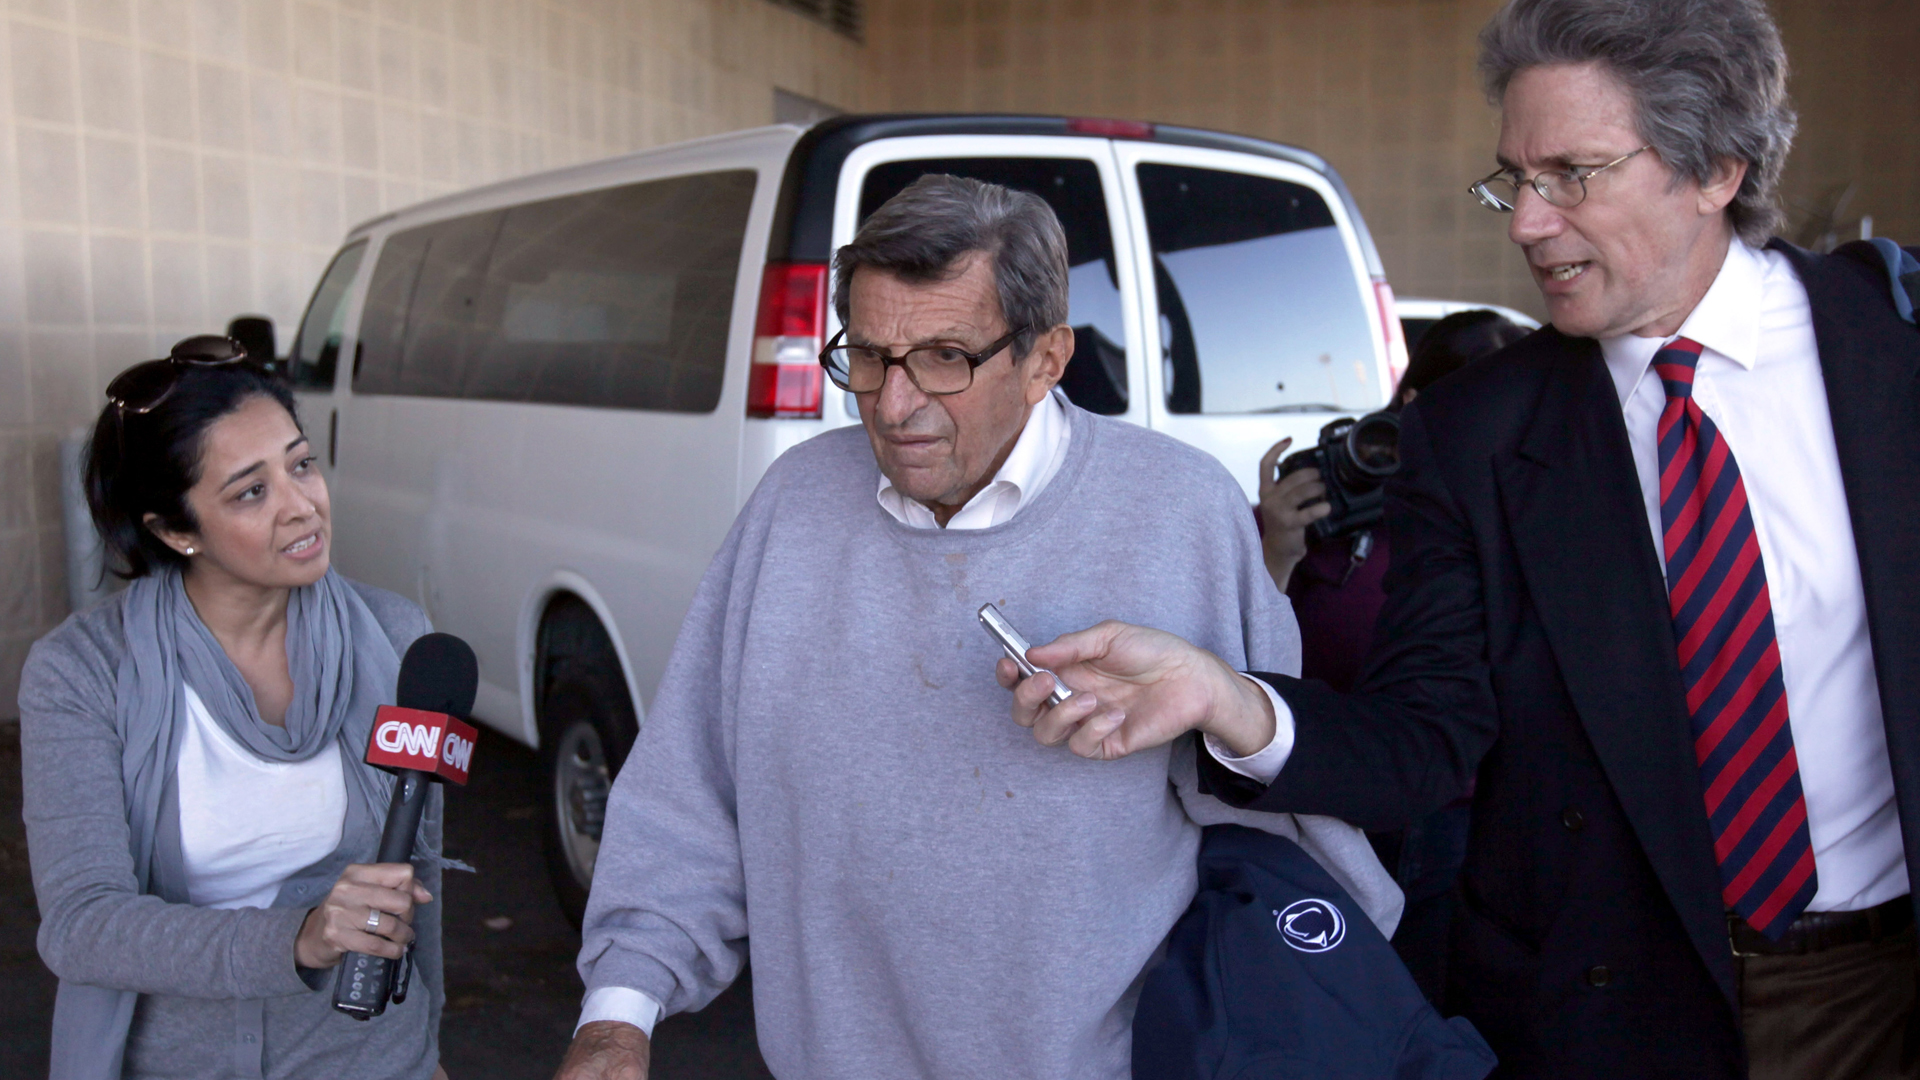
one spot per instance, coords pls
(543, 402)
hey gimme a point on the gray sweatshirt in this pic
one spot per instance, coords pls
(829, 769)
(220, 994)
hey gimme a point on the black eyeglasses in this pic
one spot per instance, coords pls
(935, 369)
(141, 388)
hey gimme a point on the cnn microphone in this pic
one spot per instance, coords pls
(419, 739)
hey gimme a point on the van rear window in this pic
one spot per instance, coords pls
(1096, 376)
(619, 298)
(1260, 310)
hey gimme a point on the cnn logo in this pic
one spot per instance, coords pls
(457, 752)
(423, 741)
(413, 740)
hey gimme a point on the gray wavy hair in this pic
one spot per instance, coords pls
(923, 233)
(1708, 79)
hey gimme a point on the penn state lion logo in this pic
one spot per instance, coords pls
(1311, 926)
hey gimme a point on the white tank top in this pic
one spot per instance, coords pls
(247, 825)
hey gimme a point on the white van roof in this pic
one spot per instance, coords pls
(605, 172)
(814, 155)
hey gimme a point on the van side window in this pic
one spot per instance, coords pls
(419, 306)
(619, 298)
(383, 318)
(316, 348)
(434, 357)
(1096, 377)
(1259, 310)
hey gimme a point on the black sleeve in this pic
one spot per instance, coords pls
(1408, 740)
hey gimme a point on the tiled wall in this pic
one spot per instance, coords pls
(167, 164)
(1386, 91)
(1857, 85)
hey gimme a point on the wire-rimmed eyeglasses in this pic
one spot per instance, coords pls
(1565, 188)
(935, 369)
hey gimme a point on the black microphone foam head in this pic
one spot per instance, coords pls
(439, 674)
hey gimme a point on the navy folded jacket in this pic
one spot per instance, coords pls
(1275, 972)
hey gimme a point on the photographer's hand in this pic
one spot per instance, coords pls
(1135, 689)
(1288, 504)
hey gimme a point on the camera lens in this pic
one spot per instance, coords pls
(1373, 450)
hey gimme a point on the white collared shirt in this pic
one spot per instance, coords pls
(1035, 457)
(1759, 381)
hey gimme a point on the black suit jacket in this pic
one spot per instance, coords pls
(1526, 639)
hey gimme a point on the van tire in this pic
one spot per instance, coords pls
(587, 728)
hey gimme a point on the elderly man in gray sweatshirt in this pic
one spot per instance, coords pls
(827, 771)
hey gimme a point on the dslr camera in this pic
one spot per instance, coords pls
(1354, 457)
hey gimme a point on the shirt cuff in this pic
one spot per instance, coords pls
(1264, 764)
(619, 1003)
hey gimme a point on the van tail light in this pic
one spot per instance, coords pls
(1396, 335)
(785, 379)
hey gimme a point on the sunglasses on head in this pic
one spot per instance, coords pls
(141, 388)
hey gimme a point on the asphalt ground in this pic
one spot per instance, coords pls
(512, 993)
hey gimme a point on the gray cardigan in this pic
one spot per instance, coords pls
(220, 993)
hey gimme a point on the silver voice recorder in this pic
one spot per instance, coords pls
(1016, 647)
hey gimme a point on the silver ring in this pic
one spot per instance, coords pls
(373, 921)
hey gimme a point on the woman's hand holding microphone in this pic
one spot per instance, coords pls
(369, 910)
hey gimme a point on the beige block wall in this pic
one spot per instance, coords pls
(167, 164)
(1386, 91)
(1857, 85)
(1383, 89)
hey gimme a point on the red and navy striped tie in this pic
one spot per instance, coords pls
(1730, 662)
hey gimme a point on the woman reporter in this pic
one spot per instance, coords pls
(198, 815)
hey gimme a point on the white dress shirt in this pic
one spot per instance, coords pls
(248, 824)
(1036, 456)
(1759, 381)
(1263, 764)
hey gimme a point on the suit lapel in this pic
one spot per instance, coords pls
(1870, 362)
(1573, 507)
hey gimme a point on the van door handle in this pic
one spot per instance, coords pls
(333, 437)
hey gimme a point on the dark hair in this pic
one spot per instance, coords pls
(144, 463)
(1452, 343)
(1708, 80)
(922, 234)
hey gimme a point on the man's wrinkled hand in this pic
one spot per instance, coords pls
(607, 1050)
(1135, 688)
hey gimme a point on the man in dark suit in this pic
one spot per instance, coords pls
(1656, 582)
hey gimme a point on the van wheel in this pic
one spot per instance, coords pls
(586, 733)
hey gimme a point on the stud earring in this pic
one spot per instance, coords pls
(189, 550)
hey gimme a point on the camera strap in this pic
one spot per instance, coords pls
(1362, 547)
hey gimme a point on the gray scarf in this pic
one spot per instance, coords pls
(343, 667)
